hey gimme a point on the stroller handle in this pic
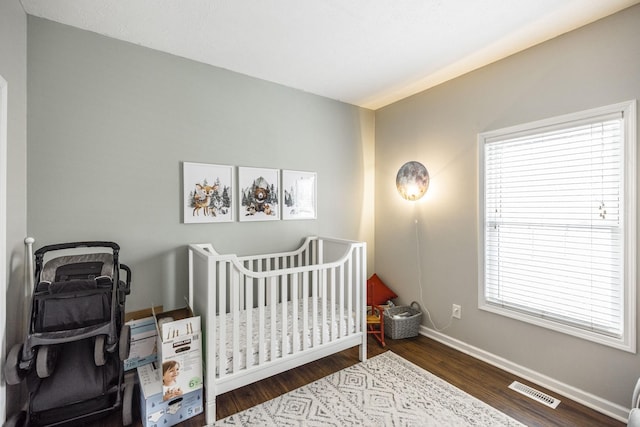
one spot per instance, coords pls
(72, 245)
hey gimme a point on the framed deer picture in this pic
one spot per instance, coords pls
(208, 193)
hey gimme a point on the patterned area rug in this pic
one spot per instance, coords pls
(386, 390)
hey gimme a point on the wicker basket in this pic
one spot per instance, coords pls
(402, 321)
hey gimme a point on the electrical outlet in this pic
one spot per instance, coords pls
(456, 311)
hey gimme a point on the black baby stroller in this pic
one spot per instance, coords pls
(72, 357)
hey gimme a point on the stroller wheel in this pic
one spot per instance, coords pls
(16, 420)
(98, 351)
(127, 405)
(45, 361)
(125, 342)
(12, 372)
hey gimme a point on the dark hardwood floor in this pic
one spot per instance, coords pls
(475, 377)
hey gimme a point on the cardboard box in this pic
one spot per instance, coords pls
(179, 351)
(157, 412)
(144, 343)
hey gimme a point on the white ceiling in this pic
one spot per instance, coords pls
(365, 52)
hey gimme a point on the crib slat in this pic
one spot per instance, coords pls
(235, 313)
(249, 326)
(272, 312)
(323, 293)
(314, 308)
(261, 323)
(284, 320)
(332, 305)
(305, 311)
(294, 314)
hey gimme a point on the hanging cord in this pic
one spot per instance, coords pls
(420, 286)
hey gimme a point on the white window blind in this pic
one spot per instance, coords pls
(554, 224)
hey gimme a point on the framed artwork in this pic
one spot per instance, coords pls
(258, 194)
(208, 193)
(299, 194)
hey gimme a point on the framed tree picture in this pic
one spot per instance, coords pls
(299, 194)
(208, 193)
(258, 194)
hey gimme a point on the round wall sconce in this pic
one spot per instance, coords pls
(412, 181)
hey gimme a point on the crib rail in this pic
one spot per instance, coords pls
(265, 312)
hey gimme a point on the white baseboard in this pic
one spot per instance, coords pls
(589, 400)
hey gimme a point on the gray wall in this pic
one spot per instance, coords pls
(13, 67)
(110, 123)
(596, 65)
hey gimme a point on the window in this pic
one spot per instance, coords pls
(558, 224)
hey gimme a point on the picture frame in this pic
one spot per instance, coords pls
(208, 193)
(258, 194)
(299, 195)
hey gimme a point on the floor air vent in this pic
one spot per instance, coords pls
(534, 394)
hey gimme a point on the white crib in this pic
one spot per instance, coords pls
(265, 314)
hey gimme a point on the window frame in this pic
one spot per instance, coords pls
(627, 341)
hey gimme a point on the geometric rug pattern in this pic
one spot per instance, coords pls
(386, 390)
